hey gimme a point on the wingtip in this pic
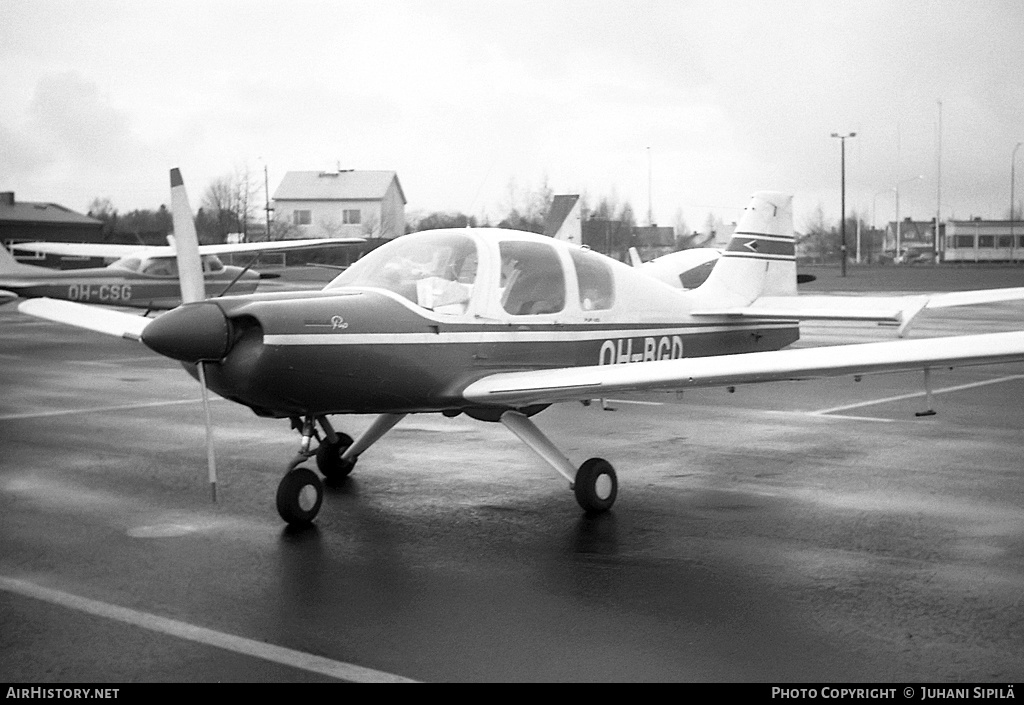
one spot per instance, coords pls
(176, 179)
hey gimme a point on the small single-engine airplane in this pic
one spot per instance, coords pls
(142, 276)
(498, 324)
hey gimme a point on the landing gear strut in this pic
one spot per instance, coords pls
(594, 484)
(301, 492)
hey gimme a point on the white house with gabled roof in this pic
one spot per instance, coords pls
(342, 203)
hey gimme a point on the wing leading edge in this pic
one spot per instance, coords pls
(569, 384)
(90, 249)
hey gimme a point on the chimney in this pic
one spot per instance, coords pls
(7, 198)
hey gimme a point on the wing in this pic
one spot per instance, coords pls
(579, 383)
(277, 245)
(90, 249)
(101, 320)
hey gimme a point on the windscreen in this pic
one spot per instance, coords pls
(434, 270)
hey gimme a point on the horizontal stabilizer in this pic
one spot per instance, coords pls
(883, 309)
(980, 296)
(889, 309)
(101, 320)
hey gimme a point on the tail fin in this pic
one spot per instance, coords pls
(190, 266)
(760, 259)
(9, 265)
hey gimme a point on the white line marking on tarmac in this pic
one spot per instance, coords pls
(635, 401)
(913, 395)
(118, 362)
(190, 632)
(122, 407)
(853, 418)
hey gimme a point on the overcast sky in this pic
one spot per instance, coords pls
(705, 101)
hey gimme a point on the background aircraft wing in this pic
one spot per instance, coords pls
(94, 249)
(101, 320)
(277, 245)
(90, 249)
(579, 383)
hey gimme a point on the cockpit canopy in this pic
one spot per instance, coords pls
(452, 272)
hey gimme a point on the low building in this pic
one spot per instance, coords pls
(980, 240)
(32, 221)
(909, 240)
(348, 203)
(653, 241)
(28, 221)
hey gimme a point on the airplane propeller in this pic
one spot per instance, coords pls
(193, 289)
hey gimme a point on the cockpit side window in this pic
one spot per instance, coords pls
(597, 285)
(132, 264)
(212, 264)
(532, 280)
(162, 267)
(434, 270)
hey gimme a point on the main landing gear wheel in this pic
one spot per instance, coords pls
(596, 486)
(299, 496)
(329, 461)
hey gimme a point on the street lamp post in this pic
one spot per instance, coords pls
(842, 197)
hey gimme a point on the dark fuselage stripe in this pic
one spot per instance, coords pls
(752, 245)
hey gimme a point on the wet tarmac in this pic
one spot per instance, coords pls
(796, 532)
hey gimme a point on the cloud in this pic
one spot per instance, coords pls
(70, 116)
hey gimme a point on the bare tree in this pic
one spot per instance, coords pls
(230, 202)
(820, 239)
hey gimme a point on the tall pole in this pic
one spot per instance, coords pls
(650, 197)
(938, 188)
(896, 188)
(842, 201)
(266, 192)
(1013, 164)
(842, 197)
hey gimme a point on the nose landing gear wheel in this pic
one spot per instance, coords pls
(596, 486)
(329, 461)
(299, 496)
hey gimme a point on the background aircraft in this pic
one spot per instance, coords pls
(499, 324)
(141, 277)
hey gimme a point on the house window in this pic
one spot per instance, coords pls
(986, 241)
(966, 241)
(351, 216)
(1005, 241)
(302, 217)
